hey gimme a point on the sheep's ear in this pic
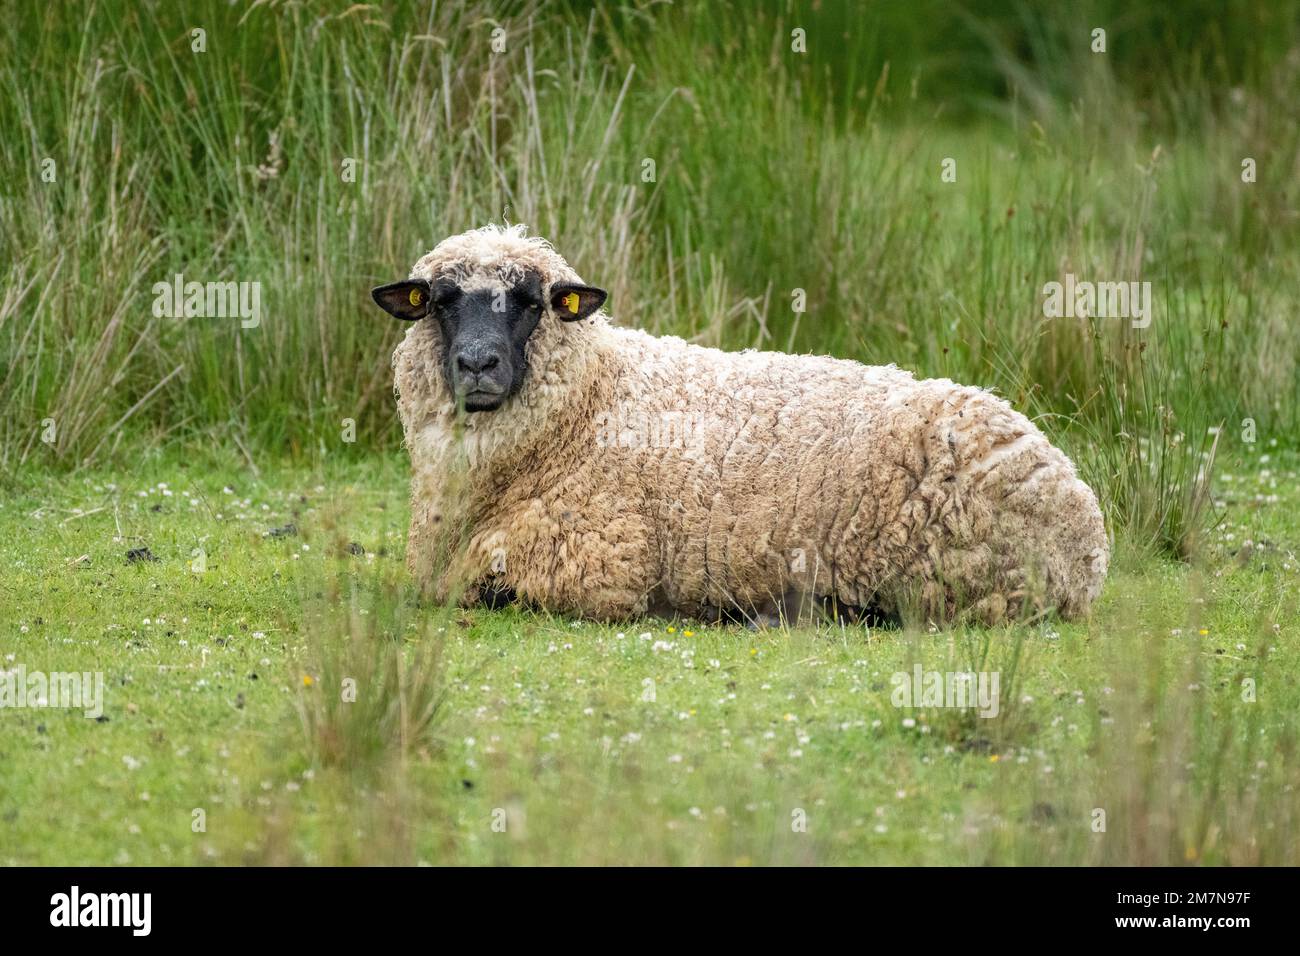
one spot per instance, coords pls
(408, 300)
(573, 303)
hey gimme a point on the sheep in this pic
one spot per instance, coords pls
(602, 472)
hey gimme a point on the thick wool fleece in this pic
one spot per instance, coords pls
(635, 473)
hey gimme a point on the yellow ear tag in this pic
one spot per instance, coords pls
(571, 302)
(416, 297)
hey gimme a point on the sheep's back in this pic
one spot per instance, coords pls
(839, 478)
(776, 459)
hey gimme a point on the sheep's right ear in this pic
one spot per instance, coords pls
(407, 300)
(572, 303)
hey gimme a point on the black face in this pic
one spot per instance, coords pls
(485, 333)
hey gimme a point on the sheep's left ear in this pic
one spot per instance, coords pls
(407, 300)
(573, 303)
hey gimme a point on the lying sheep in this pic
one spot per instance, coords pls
(605, 472)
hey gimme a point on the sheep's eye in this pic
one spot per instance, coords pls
(444, 295)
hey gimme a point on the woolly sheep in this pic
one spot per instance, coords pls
(604, 472)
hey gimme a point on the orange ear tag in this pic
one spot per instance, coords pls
(571, 302)
(415, 297)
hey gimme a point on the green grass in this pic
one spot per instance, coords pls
(545, 720)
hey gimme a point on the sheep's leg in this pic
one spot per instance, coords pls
(423, 546)
(597, 567)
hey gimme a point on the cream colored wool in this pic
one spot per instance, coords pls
(786, 475)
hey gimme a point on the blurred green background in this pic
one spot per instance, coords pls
(700, 160)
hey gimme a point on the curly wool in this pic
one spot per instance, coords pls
(634, 473)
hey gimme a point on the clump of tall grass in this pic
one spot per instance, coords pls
(972, 662)
(368, 676)
(1153, 466)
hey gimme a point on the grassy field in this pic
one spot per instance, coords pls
(658, 742)
(914, 175)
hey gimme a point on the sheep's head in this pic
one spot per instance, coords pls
(488, 290)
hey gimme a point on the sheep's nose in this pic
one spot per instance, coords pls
(476, 362)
